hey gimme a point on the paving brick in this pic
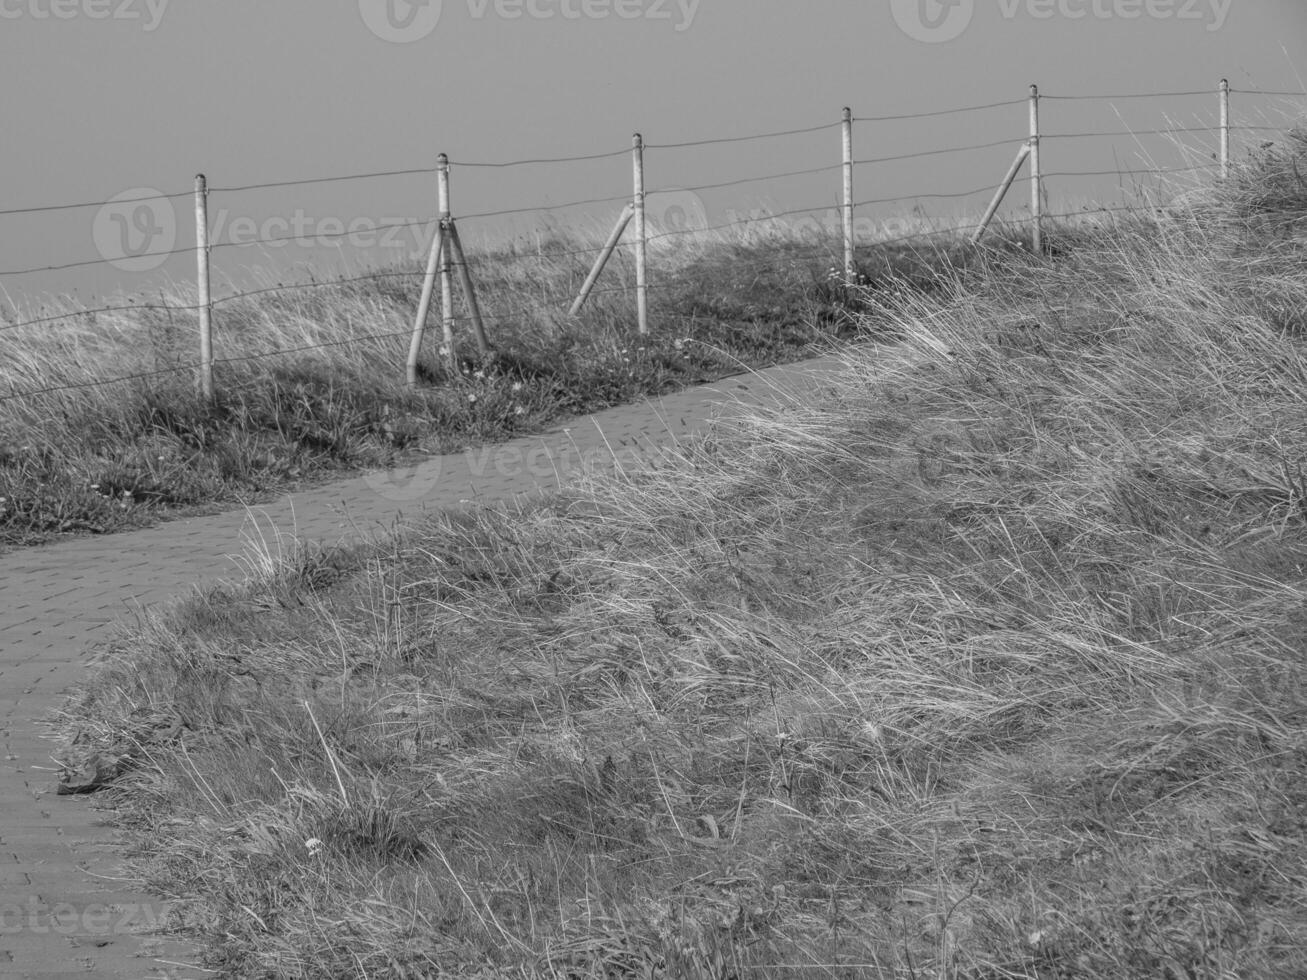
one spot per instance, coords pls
(61, 599)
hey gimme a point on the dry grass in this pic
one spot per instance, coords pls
(986, 662)
(311, 385)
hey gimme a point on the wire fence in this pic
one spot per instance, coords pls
(130, 225)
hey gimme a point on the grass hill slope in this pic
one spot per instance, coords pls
(985, 662)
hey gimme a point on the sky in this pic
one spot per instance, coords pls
(112, 102)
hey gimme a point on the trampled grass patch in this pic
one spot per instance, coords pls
(985, 661)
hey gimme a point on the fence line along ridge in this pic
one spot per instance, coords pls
(447, 259)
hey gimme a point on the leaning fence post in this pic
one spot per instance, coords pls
(1036, 188)
(424, 304)
(848, 195)
(469, 291)
(641, 241)
(446, 267)
(205, 303)
(1225, 128)
(605, 254)
(1001, 193)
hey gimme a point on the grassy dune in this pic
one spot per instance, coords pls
(311, 380)
(985, 662)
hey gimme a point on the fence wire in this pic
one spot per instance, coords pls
(941, 112)
(496, 165)
(236, 189)
(742, 139)
(1150, 132)
(86, 263)
(545, 308)
(535, 161)
(749, 180)
(1011, 141)
(95, 204)
(1142, 172)
(1123, 95)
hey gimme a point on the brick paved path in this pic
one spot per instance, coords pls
(66, 908)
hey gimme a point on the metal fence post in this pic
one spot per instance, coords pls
(641, 240)
(1225, 128)
(1036, 188)
(424, 304)
(849, 271)
(446, 267)
(205, 303)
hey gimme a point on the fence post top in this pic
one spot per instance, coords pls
(1034, 91)
(199, 180)
(1225, 84)
(637, 140)
(848, 114)
(442, 161)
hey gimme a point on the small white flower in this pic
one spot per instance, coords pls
(519, 410)
(517, 386)
(471, 398)
(313, 846)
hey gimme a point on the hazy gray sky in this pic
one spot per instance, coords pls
(109, 97)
